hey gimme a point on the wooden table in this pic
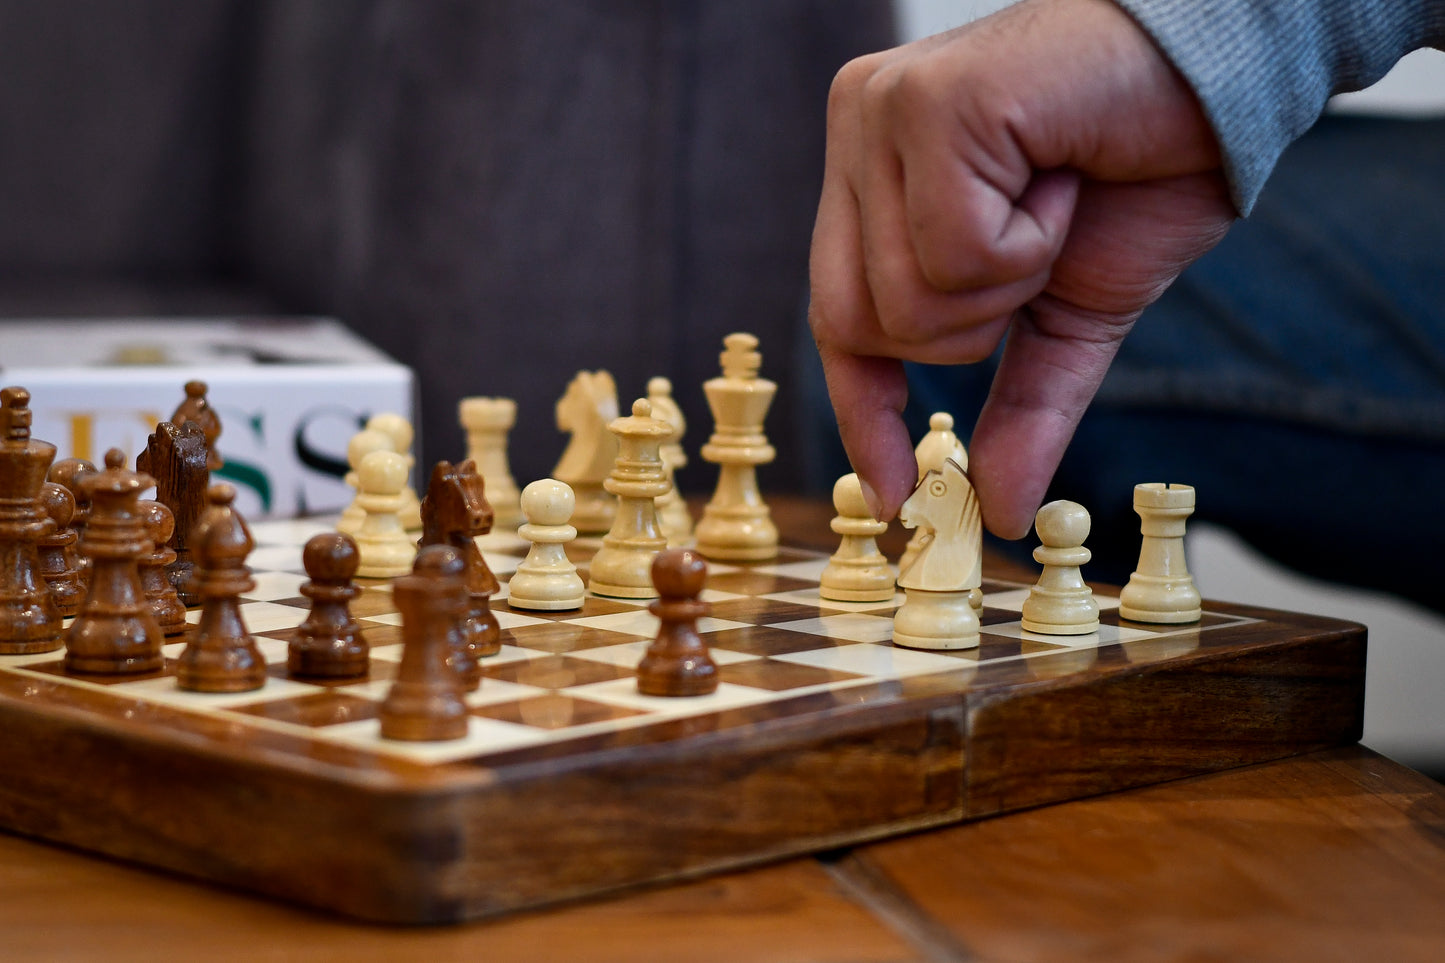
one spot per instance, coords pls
(1338, 855)
(1335, 855)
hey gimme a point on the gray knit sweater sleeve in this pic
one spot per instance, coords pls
(1263, 69)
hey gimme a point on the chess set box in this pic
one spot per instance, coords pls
(291, 391)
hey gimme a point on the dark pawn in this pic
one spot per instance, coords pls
(221, 656)
(67, 472)
(57, 551)
(678, 663)
(329, 643)
(29, 619)
(455, 511)
(165, 604)
(115, 633)
(425, 702)
(198, 409)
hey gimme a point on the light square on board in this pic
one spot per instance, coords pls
(851, 627)
(877, 661)
(644, 624)
(483, 736)
(629, 654)
(260, 616)
(810, 596)
(165, 691)
(623, 692)
(1106, 635)
(278, 558)
(805, 570)
(275, 586)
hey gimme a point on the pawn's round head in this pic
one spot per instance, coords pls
(331, 557)
(940, 421)
(160, 523)
(438, 561)
(59, 504)
(548, 501)
(1062, 524)
(382, 473)
(848, 497)
(394, 426)
(364, 443)
(642, 408)
(69, 471)
(678, 573)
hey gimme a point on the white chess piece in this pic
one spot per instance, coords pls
(939, 445)
(362, 443)
(937, 613)
(857, 572)
(385, 549)
(401, 433)
(622, 567)
(546, 580)
(1061, 603)
(1161, 589)
(585, 410)
(487, 422)
(672, 514)
(736, 524)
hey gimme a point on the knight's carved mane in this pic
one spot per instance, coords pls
(951, 560)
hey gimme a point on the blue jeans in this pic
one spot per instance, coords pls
(1295, 375)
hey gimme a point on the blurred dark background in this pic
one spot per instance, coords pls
(497, 194)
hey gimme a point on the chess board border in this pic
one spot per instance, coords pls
(435, 833)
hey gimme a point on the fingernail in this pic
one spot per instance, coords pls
(870, 498)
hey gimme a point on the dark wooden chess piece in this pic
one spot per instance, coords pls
(221, 655)
(329, 643)
(67, 472)
(165, 605)
(454, 512)
(678, 662)
(115, 633)
(176, 457)
(57, 551)
(425, 702)
(198, 409)
(29, 618)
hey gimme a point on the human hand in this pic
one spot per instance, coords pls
(1043, 173)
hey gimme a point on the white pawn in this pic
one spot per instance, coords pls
(857, 572)
(399, 430)
(385, 549)
(1061, 603)
(361, 444)
(546, 580)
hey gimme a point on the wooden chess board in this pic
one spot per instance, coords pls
(570, 783)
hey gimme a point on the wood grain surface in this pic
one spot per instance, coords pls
(1338, 855)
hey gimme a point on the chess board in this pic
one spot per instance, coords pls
(570, 783)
